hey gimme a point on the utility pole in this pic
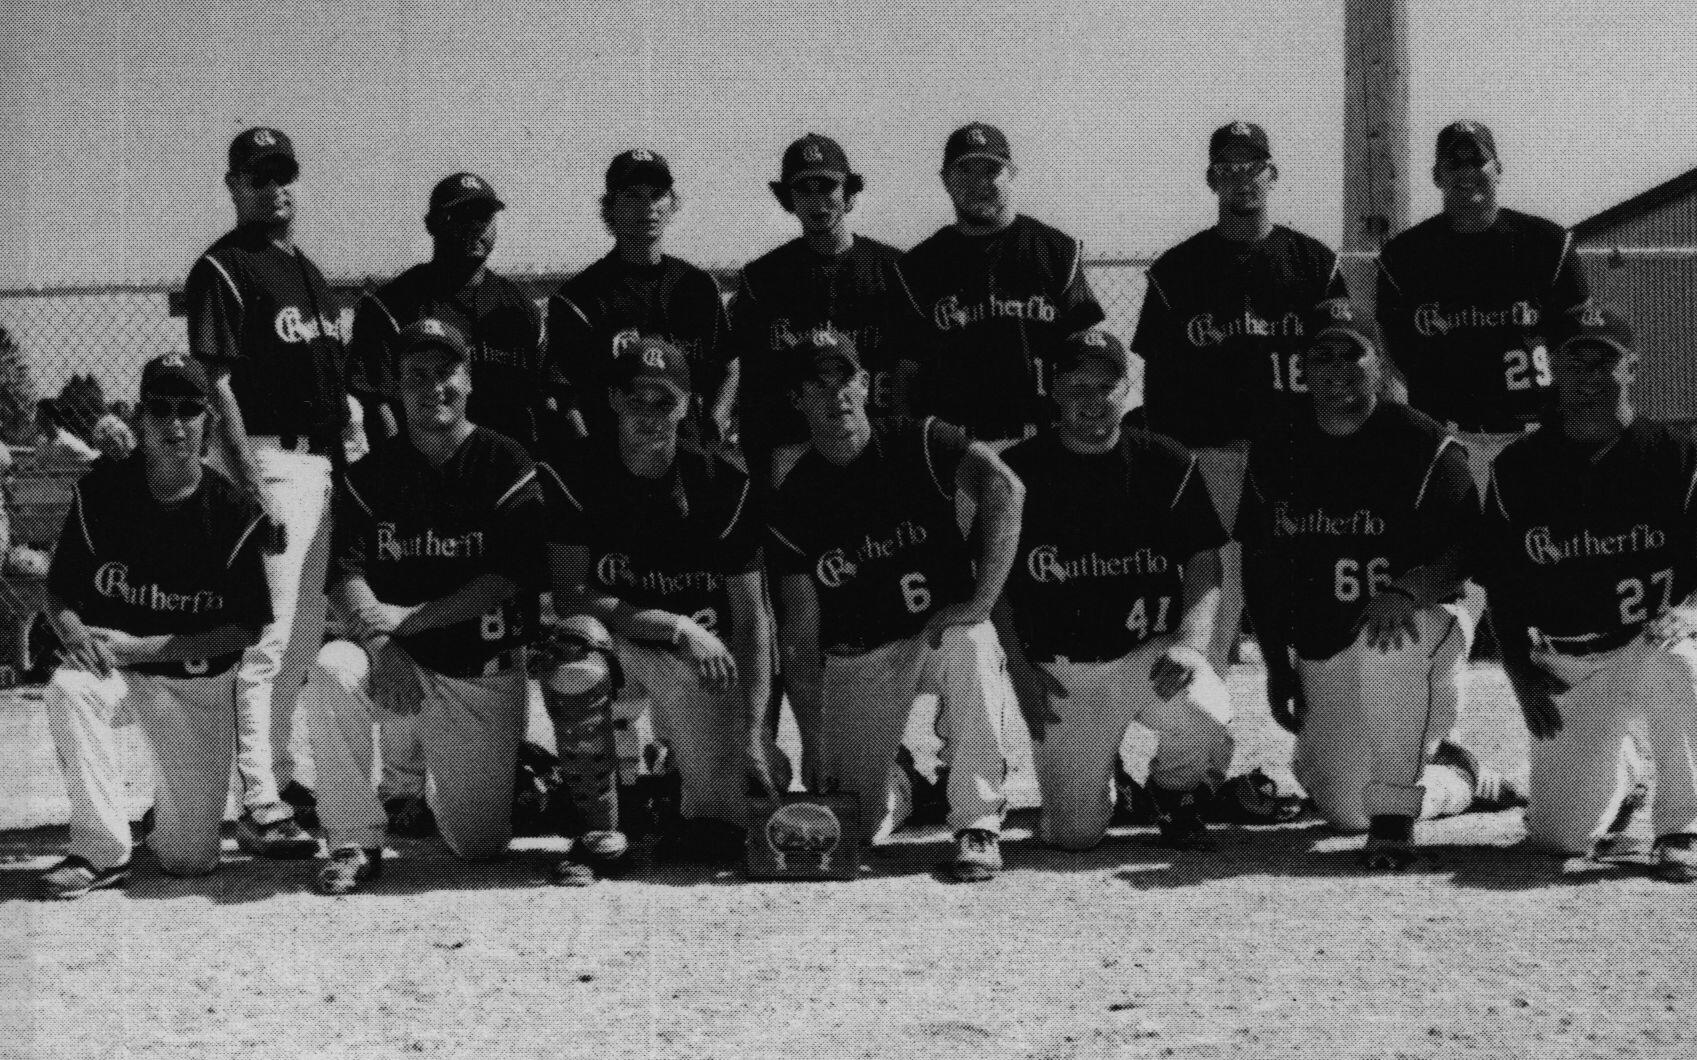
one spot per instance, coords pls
(1375, 142)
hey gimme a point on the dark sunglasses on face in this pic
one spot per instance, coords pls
(173, 408)
(1238, 170)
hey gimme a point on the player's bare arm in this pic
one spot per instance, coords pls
(1000, 496)
(714, 663)
(1176, 667)
(394, 680)
(798, 643)
(751, 647)
(1033, 686)
(231, 431)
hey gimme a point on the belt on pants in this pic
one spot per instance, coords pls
(1584, 644)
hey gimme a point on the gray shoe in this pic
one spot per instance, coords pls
(349, 869)
(74, 877)
(978, 856)
(1676, 857)
(282, 839)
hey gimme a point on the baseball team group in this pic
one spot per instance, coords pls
(877, 477)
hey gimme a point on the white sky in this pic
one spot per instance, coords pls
(114, 124)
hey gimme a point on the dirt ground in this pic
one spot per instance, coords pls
(1274, 946)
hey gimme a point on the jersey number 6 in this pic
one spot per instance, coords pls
(914, 593)
(1347, 581)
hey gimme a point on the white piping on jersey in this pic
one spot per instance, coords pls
(911, 300)
(396, 324)
(1566, 252)
(925, 444)
(560, 482)
(1449, 440)
(744, 288)
(354, 493)
(1077, 262)
(581, 315)
(1386, 273)
(1185, 481)
(1689, 489)
(524, 480)
(736, 515)
(240, 541)
(791, 545)
(82, 522)
(1153, 284)
(210, 260)
(1497, 495)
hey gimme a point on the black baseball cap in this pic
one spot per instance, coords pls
(430, 333)
(814, 156)
(1244, 134)
(1093, 346)
(638, 166)
(977, 140)
(818, 347)
(1466, 141)
(456, 189)
(650, 359)
(1340, 316)
(262, 144)
(174, 375)
(1596, 324)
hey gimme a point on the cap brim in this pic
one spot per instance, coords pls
(1609, 341)
(271, 155)
(494, 201)
(991, 155)
(1074, 361)
(642, 173)
(837, 175)
(421, 345)
(1359, 338)
(664, 381)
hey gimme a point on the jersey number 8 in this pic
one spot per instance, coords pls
(493, 624)
(1347, 578)
(1523, 370)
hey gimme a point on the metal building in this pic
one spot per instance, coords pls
(1641, 256)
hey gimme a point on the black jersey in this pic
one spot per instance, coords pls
(879, 537)
(124, 561)
(1465, 316)
(1221, 332)
(503, 332)
(667, 542)
(268, 316)
(1344, 516)
(988, 313)
(1103, 543)
(1592, 542)
(612, 302)
(419, 532)
(793, 290)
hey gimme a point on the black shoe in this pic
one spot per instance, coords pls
(301, 800)
(1132, 805)
(1617, 841)
(284, 840)
(1180, 820)
(702, 841)
(410, 817)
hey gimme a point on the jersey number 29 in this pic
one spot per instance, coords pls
(1523, 370)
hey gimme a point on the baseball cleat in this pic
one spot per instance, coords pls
(1492, 791)
(978, 856)
(1387, 855)
(1676, 858)
(1180, 819)
(1616, 842)
(284, 839)
(302, 801)
(74, 877)
(349, 869)
(594, 855)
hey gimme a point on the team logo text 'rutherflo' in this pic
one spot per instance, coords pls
(839, 565)
(1543, 548)
(1206, 329)
(112, 580)
(1360, 523)
(1045, 564)
(428, 543)
(294, 326)
(1431, 320)
(614, 570)
(948, 312)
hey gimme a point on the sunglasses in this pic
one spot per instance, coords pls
(173, 408)
(1238, 170)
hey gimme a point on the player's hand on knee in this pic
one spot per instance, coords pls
(1285, 699)
(1036, 689)
(83, 650)
(1670, 627)
(121, 648)
(952, 615)
(715, 667)
(396, 685)
(1174, 670)
(1388, 622)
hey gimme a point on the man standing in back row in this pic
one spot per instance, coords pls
(1221, 333)
(993, 296)
(1467, 298)
(269, 330)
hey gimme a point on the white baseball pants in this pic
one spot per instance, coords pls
(1633, 697)
(867, 701)
(469, 728)
(271, 672)
(190, 723)
(1374, 720)
(1075, 759)
(1223, 471)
